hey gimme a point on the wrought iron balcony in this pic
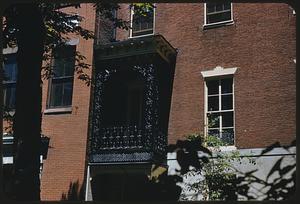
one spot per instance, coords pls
(115, 138)
(127, 144)
(133, 85)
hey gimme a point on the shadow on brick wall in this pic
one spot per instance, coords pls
(75, 192)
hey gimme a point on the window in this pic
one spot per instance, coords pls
(217, 13)
(142, 21)
(9, 82)
(61, 84)
(220, 109)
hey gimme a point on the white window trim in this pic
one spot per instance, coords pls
(66, 109)
(219, 72)
(58, 110)
(131, 19)
(9, 50)
(228, 22)
(73, 41)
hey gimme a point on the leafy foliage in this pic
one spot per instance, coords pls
(218, 173)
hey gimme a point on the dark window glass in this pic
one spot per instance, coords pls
(9, 81)
(228, 136)
(142, 23)
(62, 81)
(227, 102)
(226, 85)
(7, 150)
(219, 17)
(227, 6)
(219, 7)
(227, 119)
(212, 87)
(211, 7)
(214, 132)
(213, 103)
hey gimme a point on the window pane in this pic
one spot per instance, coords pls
(213, 103)
(219, 7)
(226, 85)
(56, 94)
(69, 67)
(57, 69)
(212, 87)
(226, 16)
(8, 150)
(64, 61)
(135, 25)
(67, 93)
(214, 132)
(226, 102)
(210, 7)
(218, 17)
(228, 136)
(227, 5)
(227, 119)
(9, 96)
(66, 51)
(213, 120)
(10, 68)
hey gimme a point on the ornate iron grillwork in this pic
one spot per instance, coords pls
(151, 58)
(124, 137)
(128, 139)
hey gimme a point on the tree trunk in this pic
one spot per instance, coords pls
(27, 121)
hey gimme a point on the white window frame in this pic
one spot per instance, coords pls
(68, 108)
(219, 73)
(131, 23)
(228, 22)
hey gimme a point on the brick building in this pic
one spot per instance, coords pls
(226, 69)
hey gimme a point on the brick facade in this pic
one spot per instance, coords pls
(261, 43)
(68, 131)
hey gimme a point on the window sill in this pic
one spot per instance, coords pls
(139, 36)
(228, 148)
(58, 110)
(219, 24)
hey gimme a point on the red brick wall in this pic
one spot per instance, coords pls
(68, 131)
(261, 43)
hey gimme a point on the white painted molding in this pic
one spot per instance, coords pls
(218, 71)
(74, 41)
(10, 50)
(7, 160)
(58, 110)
